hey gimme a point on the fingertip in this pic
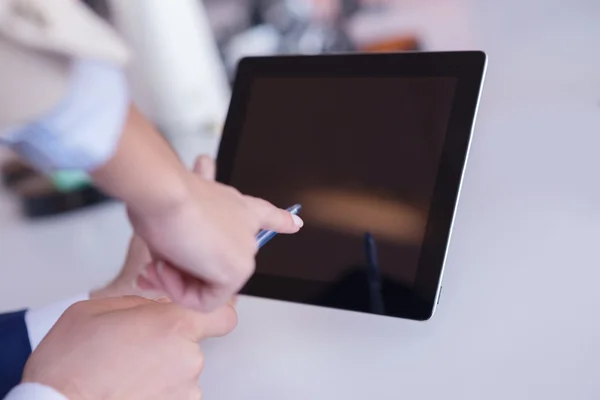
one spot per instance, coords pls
(288, 223)
(231, 319)
(205, 324)
(222, 321)
(297, 221)
(274, 218)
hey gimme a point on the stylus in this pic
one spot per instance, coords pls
(373, 275)
(264, 236)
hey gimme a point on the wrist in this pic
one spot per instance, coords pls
(166, 198)
(145, 173)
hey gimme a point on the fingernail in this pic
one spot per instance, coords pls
(298, 221)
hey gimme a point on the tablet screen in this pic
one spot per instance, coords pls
(361, 155)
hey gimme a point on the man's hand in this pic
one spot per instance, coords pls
(126, 348)
(204, 250)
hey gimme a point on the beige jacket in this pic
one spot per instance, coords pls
(38, 41)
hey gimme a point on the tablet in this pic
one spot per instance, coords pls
(373, 147)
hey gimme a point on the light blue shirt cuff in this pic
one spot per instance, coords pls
(34, 391)
(84, 130)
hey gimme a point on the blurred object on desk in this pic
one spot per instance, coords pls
(288, 27)
(228, 18)
(393, 44)
(14, 170)
(418, 19)
(309, 27)
(100, 7)
(41, 195)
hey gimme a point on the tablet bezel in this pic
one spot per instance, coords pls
(469, 69)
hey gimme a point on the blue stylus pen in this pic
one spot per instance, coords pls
(373, 275)
(264, 236)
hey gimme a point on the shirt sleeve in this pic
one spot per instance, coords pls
(34, 391)
(15, 349)
(39, 40)
(40, 320)
(84, 130)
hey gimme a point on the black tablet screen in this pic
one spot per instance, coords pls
(361, 155)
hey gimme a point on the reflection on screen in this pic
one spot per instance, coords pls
(361, 156)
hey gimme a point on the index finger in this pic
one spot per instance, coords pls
(273, 218)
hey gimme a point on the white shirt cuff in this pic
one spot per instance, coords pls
(40, 320)
(34, 391)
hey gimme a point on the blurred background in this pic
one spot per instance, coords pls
(534, 142)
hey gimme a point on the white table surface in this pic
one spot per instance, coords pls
(518, 317)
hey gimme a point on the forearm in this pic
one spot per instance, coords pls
(122, 151)
(87, 123)
(144, 172)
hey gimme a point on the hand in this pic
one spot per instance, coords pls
(126, 348)
(204, 250)
(130, 280)
(138, 276)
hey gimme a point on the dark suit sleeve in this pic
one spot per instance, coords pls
(14, 350)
